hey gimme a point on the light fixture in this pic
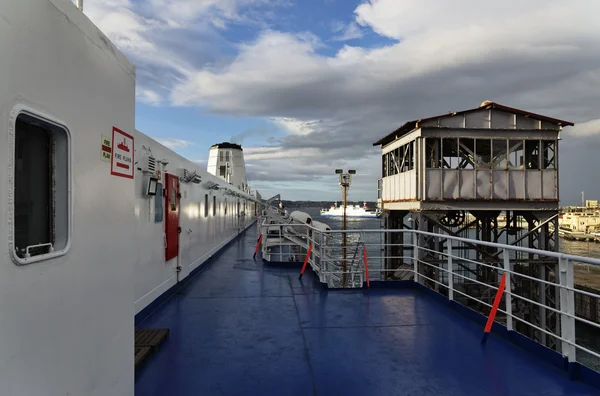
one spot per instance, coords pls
(151, 186)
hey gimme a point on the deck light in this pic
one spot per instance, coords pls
(152, 185)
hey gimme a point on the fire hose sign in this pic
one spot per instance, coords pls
(122, 154)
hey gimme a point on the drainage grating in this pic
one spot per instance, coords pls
(150, 337)
(141, 353)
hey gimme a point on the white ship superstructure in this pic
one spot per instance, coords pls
(351, 211)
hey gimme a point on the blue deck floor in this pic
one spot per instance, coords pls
(240, 328)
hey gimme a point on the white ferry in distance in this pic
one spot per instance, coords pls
(351, 211)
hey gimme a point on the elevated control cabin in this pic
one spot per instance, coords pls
(488, 174)
(492, 157)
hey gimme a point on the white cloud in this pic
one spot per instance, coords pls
(588, 128)
(294, 126)
(540, 55)
(148, 96)
(271, 153)
(349, 32)
(173, 143)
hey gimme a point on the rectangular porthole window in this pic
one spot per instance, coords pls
(214, 205)
(205, 205)
(42, 199)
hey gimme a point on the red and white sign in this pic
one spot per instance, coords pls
(122, 157)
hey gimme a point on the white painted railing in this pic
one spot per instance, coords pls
(539, 297)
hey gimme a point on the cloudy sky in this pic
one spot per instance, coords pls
(308, 85)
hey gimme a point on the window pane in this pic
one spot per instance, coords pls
(499, 154)
(41, 187)
(515, 155)
(33, 172)
(532, 154)
(466, 153)
(549, 154)
(432, 152)
(450, 153)
(483, 153)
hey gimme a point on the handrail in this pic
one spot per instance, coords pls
(453, 272)
(571, 257)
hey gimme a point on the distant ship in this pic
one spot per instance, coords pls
(351, 211)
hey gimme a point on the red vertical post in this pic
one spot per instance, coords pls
(366, 266)
(257, 245)
(490, 321)
(305, 261)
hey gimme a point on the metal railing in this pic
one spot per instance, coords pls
(539, 299)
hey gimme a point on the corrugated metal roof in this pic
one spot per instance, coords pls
(410, 125)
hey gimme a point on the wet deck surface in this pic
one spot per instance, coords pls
(240, 328)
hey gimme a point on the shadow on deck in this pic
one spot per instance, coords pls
(241, 328)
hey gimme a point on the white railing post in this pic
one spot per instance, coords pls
(507, 290)
(567, 306)
(450, 280)
(280, 248)
(321, 263)
(415, 242)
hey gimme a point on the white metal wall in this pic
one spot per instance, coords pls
(400, 187)
(200, 237)
(66, 323)
(497, 184)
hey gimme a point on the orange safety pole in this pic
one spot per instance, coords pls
(305, 261)
(257, 246)
(490, 321)
(366, 266)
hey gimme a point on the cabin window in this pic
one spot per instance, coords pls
(222, 169)
(205, 205)
(466, 147)
(450, 153)
(549, 150)
(225, 206)
(221, 156)
(483, 153)
(41, 190)
(432, 152)
(515, 154)
(500, 154)
(214, 205)
(532, 154)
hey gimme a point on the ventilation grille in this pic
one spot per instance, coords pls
(148, 164)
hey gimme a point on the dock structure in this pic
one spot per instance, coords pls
(459, 174)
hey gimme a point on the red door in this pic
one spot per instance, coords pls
(172, 218)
